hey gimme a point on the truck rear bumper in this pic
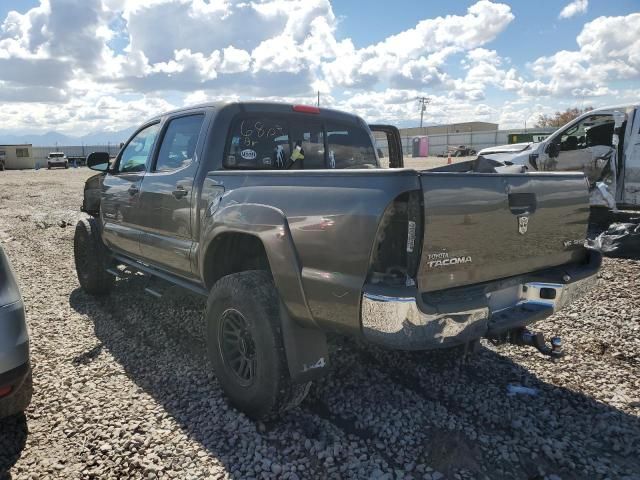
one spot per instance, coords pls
(403, 319)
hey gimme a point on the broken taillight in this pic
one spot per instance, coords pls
(396, 252)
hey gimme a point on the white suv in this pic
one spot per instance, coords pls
(57, 159)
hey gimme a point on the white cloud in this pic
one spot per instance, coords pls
(574, 8)
(417, 53)
(609, 51)
(123, 59)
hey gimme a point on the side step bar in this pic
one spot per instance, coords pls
(151, 271)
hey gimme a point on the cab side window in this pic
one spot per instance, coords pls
(594, 130)
(178, 146)
(136, 154)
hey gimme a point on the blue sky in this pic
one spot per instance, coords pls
(536, 30)
(101, 65)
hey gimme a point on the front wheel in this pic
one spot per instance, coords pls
(244, 341)
(92, 258)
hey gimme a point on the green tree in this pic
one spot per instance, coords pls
(560, 118)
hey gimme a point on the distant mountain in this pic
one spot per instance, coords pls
(50, 139)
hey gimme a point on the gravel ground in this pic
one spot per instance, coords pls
(123, 389)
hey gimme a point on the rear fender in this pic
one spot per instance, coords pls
(305, 344)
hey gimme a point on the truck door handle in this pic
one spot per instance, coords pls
(180, 192)
(521, 203)
(133, 190)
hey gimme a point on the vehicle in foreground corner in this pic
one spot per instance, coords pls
(603, 143)
(15, 371)
(283, 217)
(57, 159)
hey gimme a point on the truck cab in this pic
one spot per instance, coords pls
(604, 144)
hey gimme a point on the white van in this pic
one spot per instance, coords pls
(603, 143)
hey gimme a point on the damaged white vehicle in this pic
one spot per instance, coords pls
(603, 143)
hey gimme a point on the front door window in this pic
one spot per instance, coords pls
(135, 156)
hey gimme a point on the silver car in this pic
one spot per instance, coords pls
(15, 369)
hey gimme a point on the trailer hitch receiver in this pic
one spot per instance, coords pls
(525, 337)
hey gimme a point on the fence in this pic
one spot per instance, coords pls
(39, 154)
(439, 143)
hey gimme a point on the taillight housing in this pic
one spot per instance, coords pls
(395, 255)
(306, 109)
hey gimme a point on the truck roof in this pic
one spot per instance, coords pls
(615, 107)
(249, 105)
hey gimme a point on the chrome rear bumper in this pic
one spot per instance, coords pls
(405, 322)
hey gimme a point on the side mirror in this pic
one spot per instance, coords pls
(98, 161)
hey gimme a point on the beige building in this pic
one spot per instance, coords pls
(16, 157)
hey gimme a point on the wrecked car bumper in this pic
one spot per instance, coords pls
(406, 320)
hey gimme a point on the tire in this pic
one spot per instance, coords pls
(66, 165)
(19, 400)
(252, 371)
(48, 167)
(91, 258)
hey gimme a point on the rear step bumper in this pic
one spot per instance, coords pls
(403, 319)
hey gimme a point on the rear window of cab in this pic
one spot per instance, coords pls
(287, 142)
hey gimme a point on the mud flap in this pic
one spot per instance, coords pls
(306, 349)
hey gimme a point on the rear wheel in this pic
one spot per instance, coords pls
(92, 258)
(244, 341)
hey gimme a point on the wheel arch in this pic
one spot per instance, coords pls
(233, 252)
(265, 230)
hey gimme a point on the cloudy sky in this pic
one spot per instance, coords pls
(94, 65)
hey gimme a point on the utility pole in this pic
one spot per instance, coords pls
(318, 98)
(423, 101)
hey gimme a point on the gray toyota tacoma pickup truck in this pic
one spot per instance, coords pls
(283, 216)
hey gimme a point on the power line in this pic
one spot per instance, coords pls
(423, 101)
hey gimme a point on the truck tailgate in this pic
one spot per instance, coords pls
(481, 227)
